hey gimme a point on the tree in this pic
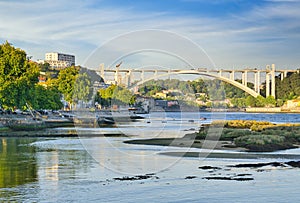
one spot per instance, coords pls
(45, 98)
(115, 95)
(82, 88)
(289, 87)
(260, 101)
(45, 67)
(215, 90)
(238, 102)
(17, 77)
(250, 101)
(66, 81)
(270, 101)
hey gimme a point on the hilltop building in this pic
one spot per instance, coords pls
(58, 60)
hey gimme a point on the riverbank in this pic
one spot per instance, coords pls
(237, 135)
(271, 110)
(188, 141)
(60, 132)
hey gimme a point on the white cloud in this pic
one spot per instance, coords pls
(254, 37)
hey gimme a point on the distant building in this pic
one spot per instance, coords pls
(171, 105)
(59, 60)
(293, 103)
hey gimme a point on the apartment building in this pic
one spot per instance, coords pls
(59, 60)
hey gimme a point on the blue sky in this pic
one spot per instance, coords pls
(234, 33)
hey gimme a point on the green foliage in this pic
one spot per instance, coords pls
(44, 67)
(82, 88)
(115, 95)
(17, 77)
(260, 101)
(250, 101)
(234, 92)
(262, 139)
(238, 102)
(66, 81)
(253, 135)
(150, 88)
(198, 86)
(289, 87)
(279, 102)
(43, 98)
(215, 90)
(270, 101)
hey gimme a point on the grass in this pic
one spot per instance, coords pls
(253, 135)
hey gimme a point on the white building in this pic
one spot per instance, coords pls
(59, 60)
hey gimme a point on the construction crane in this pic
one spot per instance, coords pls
(118, 65)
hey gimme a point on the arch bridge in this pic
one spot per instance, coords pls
(126, 76)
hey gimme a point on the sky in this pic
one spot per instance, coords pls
(231, 33)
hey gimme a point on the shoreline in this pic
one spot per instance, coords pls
(224, 155)
(229, 152)
(58, 132)
(188, 142)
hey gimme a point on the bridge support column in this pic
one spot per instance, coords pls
(281, 76)
(102, 71)
(231, 75)
(273, 84)
(143, 76)
(267, 84)
(257, 82)
(117, 77)
(128, 79)
(244, 78)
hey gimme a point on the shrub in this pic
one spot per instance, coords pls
(262, 142)
(259, 139)
(245, 123)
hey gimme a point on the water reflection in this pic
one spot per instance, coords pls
(29, 165)
(17, 162)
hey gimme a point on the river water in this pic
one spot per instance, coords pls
(104, 169)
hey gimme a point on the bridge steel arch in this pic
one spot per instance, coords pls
(194, 72)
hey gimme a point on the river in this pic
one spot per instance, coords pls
(104, 169)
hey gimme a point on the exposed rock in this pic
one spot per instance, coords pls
(190, 177)
(228, 178)
(244, 174)
(138, 177)
(295, 164)
(209, 168)
(258, 165)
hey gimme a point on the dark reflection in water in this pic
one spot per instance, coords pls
(17, 162)
(27, 168)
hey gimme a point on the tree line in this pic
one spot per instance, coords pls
(216, 90)
(20, 87)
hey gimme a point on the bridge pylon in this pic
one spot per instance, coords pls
(270, 74)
